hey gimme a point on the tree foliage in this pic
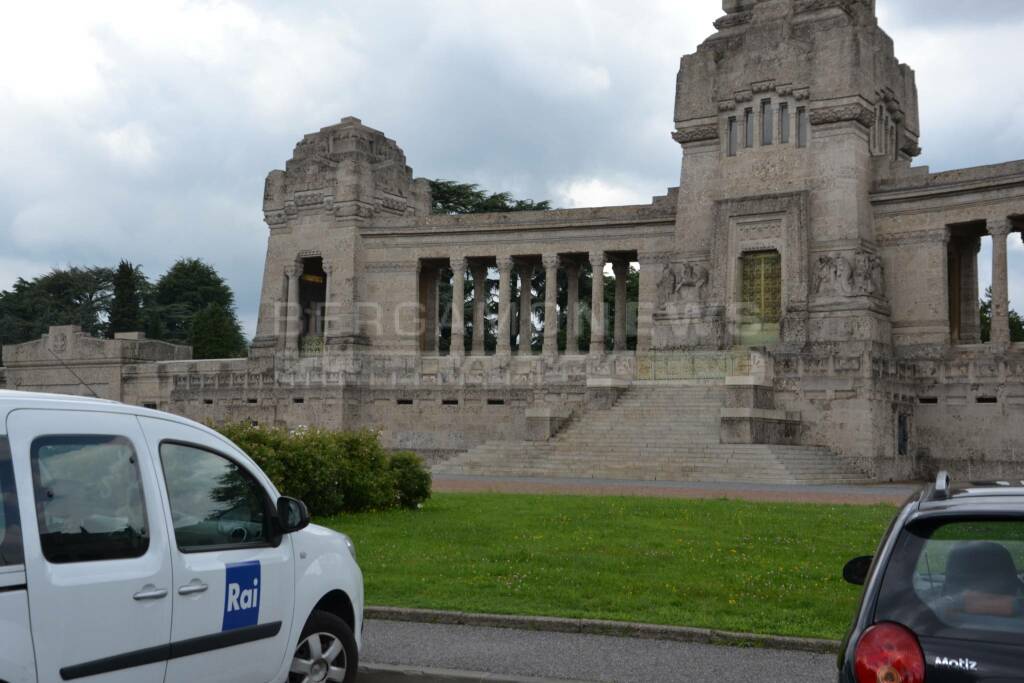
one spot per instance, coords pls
(189, 286)
(130, 287)
(1016, 322)
(452, 197)
(190, 304)
(215, 333)
(64, 296)
(334, 472)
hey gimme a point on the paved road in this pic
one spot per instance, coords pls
(575, 657)
(868, 494)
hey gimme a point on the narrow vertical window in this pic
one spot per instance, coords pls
(733, 137)
(802, 125)
(784, 123)
(767, 122)
(748, 124)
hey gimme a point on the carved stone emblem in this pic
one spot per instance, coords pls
(60, 343)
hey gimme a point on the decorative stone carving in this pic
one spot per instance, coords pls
(838, 276)
(696, 134)
(844, 112)
(817, 5)
(733, 20)
(681, 285)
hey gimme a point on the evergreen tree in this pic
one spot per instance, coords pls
(64, 296)
(130, 287)
(215, 333)
(451, 197)
(192, 291)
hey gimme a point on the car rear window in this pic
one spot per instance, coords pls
(958, 579)
(10, 522)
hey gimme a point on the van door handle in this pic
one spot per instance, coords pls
(150, 592)
(192, 587)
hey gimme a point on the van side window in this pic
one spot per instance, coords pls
(89, 498)
(10, 522)
(215, 504)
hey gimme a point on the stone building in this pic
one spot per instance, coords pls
(807, 307)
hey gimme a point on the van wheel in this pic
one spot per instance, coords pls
(326, 652)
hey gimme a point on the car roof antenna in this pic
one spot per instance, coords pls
(68, 368)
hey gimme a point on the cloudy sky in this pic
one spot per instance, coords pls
(144, 130)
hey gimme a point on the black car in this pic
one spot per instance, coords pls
(944, 595)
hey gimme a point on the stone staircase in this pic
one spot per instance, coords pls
(654, 433)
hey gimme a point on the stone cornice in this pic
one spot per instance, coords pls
(733, 20)
(696, 133)
(851, 111)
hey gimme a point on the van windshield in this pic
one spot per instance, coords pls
(962, 579)
(10, 525)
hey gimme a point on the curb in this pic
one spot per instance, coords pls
(621, 629)
(417, 672)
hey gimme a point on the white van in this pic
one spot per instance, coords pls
(141, 547)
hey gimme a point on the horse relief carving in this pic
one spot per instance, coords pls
(682, 284)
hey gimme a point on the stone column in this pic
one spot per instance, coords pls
(597, 303)
(428, 286)
(504, 305)
(1000, 285)
(294, 316)
(621, 270)
(328, 311)
(525, 307)
(458, 347)
(572, 307)
(479, 307)
(551, 304)
(646, 301)
(970, 316)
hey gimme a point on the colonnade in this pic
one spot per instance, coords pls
(524, 268)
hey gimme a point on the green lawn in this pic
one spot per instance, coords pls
(758, 567)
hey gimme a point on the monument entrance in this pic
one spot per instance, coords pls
(760, 297)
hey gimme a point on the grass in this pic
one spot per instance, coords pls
(771, 568)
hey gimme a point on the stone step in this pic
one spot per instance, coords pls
(654, 433)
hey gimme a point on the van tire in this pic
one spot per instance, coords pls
(321, 631)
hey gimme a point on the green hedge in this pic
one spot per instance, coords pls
(334, 472)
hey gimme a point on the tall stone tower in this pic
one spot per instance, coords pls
(787, 115)
(340, 178)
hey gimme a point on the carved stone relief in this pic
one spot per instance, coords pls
(682, 284)
(837, 275)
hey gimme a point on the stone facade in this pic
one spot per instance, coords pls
(803, 264)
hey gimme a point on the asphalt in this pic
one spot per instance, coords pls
(428, 653)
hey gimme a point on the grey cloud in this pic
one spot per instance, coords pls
(960, 13)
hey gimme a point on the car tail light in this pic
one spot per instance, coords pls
(889, 653)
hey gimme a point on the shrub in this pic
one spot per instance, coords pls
(412, 480)
(332, 471)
